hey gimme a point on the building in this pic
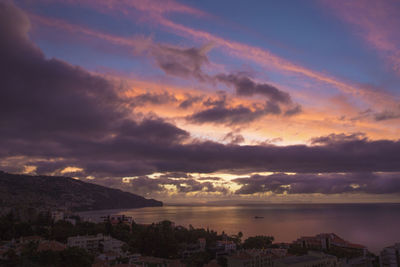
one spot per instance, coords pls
(112, 245)
(357, 262)
(96, 243)
(325, 241)
(88, 242)
(390, 256)
(194, 248)
(57, 215)
(226, 246)
(70, 220)
(108, 256)
(312, 259)
(251, 258)
(117, 219)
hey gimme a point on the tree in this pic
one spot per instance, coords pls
(198, 259)
(259, 241)
(76, 257)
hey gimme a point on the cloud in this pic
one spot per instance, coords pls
(226, 115)
(296, 109)
(190, 100)
(182, 62)
(53, 107)
(378, 115)
(386, 115)
(188, 62)
(376, 22)
(54, 115)
(331, 183)
(153, 98)
(246, 87)
(145, 184)
(157, 13)
(210, 178)
(233, 138)
(218, 111)
(333, 139)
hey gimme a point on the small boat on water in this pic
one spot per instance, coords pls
(258, 217)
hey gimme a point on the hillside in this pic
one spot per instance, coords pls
(50, 192)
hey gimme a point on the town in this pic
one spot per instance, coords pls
(61, 239)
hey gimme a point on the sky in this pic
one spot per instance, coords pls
(203, 101)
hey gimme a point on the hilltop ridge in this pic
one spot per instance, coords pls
(55, 192)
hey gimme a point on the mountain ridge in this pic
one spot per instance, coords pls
(59, 192)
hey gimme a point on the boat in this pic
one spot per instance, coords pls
(258, 217)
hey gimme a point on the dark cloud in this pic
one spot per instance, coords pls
(386, 115)
(220, 101)
(246, 87)
(153, 130)
(219, 112)
(233, 138)
(332, 183)
(226, 115)
(54, 115)
(296, 109)
(157, 98)
(40, 96)
(377, 116)
(333, 139)
(182, 62)
(50, 108)
(188, 62)
(268, 142)
(361, 115)
(190, 100)
(153, 98)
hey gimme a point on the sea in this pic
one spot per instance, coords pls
(372, 225)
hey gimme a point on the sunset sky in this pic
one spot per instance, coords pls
(200, 101)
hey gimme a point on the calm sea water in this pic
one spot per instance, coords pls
(372, 225)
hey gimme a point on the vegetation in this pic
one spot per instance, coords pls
(258, 242)
(70, 257)
(19, 191)
(162, 239)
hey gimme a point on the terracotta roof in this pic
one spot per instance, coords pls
(31, 238)
(100, 263)
(355, 245)
(51, 245)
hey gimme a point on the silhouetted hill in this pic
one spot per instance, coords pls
(52, 192)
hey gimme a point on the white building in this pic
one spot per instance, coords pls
(88, 242)
(390, 256)
(112, 245)
(227, 246)
(96, 242)
(57, 215)
(118, 218)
